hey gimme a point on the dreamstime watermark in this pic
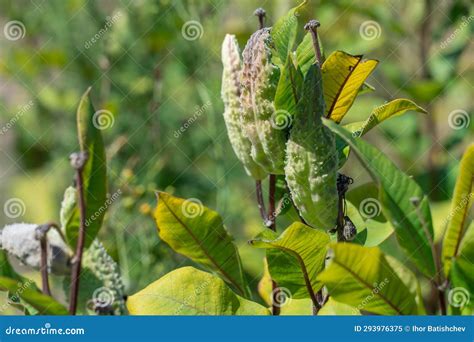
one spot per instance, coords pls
(370, 30)
(281, 119)
(464, 23)
(103, 119)
(458, 297)
(14, 30)
(25, 108)
(103, 297)
(108, 202)
(369, 208)
(459, 119)
(198, 290)
(377, 287)
(46, 330)
(284, 203)
(197, 114)
(463, 203)
(281, 296)
(14, 208)
(14, 298)
(109, 22)
(192, 30)
(192, 207)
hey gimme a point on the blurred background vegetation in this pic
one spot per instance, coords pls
(164, 93)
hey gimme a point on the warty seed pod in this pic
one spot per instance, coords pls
(259, 79)
(311, 158)
(230, 93)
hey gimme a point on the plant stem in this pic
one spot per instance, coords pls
(275, 302)
(78, 161)
(271, 216)
(260, 13)
(312, 26)
(260, 201)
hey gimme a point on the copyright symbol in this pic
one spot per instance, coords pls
(407, 328)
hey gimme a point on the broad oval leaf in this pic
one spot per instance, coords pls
(28, 291)
(188, 291)
(362, 277)
(94, 174)
(412, 223)
(199, 234)
(460, 207)
(343, 76)
(284, 32)
(300, 257)
(334, 308)
(288, 92)
(382, 113)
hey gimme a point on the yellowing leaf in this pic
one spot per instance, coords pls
(362, 277)
(188, 291)
(198, 233)
(305, 250)
(343, 76)
(459, 209)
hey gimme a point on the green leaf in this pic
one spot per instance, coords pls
(362, 277)
(284, 32)
(305, 250)
(343, 76)
(382, 113)
(412, 224)
(288, 90)
(198, 233)
(6, 270)
(460, 207)
(31, 295)
(188, 291)
(334, 308)
(94, 174)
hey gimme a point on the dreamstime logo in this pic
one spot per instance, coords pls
(377, 287)
(14, 208)
(192, 30)
(14, 30)
(369, 208)
(200, 110)
(281, 296)
(103, 208)
(192, 208)
(15, 297)
(458, 297)
(459, 119)
(4, 129)
(103, 119)
(465, 23)
(281, 119)
(103, 297)
(370, 30)
(109, 22)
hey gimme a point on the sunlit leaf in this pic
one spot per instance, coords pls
(305, 247)
(460, 207)
(334, 308)
(398, 195)
(362, 277)
(188, 291)
(343, 76)
(198, 233)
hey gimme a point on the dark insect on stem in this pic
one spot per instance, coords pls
(261, 14)
(345, 228)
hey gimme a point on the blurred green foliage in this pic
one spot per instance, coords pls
(164, 93)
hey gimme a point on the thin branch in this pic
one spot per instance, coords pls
(260, 13)
(260, 201)
(78, 161)
(271, 216)
(312, 27)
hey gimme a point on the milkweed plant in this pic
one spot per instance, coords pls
(284, 99)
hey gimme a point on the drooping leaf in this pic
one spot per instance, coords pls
(94, 174)
(284, 32)
(28, 292)
(460, 207)
(306, 247)
(199, 234)
(362, 277)
(412, 223)
(382, 113)
(188, 291)
(343, 76)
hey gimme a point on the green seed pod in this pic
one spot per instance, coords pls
(259, 81)
(101, 264)
(311, 164)
(230, 96)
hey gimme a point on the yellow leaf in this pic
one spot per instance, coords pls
(343, 75)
